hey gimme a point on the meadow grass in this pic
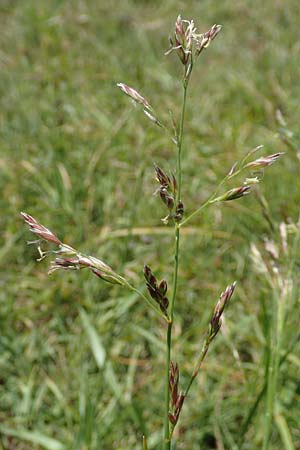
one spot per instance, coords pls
(81, 363)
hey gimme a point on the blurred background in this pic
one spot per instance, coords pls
(81, 361)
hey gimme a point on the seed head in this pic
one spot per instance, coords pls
(163, 287)
(232, 170)
(173, 417)
(216, 322)
(234, 194)
(167, 198)
(70, 259)
(167, 191)
(179, 212)
(204, 40)
(264, 161)
(98, 267)
(132, 93)
(173, 382)
(157, 291)
(183, 39)
(64, 263)
(188, 44)
(176, 399)
(42, 232)
(162, 177)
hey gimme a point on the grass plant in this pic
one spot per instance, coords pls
(81, 360)
(188, 44)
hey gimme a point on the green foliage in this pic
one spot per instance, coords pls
(81, 364)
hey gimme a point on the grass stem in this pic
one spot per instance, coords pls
(167, 436)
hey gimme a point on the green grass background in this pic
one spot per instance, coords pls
(81, 362)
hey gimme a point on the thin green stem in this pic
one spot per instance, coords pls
(270, 392)
(167, 441)
(274, 364)
(178, 171)
(163, 126)
(208, 202)
(212, 198)
(198, 365)
(176, 267)
(187, 219)
(167, 436)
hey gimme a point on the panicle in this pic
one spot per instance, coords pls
(42, 232)
(69, 258)
(176, 398)
(173, 382)
(187, 42)
(167, 192)
(98, 267)
(132, 93)
(157, 290)
(162, 177)
(204, 40)
(233, 194)
(184, 31)
(264, 161)
(138, 98)
(166, 198)
(216, 321)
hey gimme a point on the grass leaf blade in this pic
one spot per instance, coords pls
(94, 340)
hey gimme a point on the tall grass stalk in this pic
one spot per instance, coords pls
(281, 287)
(188, 45)
(167, 437)
(277, 262)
